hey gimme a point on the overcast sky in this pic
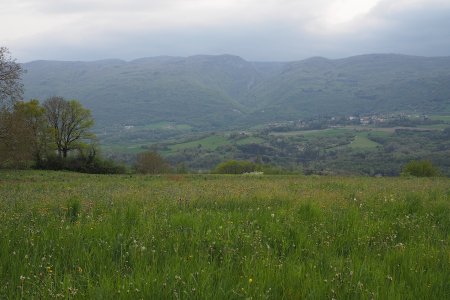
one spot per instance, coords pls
(263, 30)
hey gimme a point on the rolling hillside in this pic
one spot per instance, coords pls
(219, 91)
(356, 85)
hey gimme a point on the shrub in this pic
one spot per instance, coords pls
(80, 163)
(236, 167)
(102, 166)
(73, 210)
(151, 162)
(420, 168)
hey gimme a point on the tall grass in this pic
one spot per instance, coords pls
(67, 235)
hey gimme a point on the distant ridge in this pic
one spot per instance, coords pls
(208, 91)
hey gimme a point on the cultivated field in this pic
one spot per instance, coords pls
(66, 235)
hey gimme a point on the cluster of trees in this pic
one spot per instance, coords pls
(421, 168)
(53, 135)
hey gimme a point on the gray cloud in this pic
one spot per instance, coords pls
(420, 29)
(255, 30)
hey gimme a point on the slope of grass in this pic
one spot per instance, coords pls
(125, 148)
(314, 133)
(361, 141)
(210, 142)
(250, 140)
(70, 236)
(440, 118)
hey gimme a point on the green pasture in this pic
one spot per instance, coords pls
(122, 148)
(250, 140)
(313, 133)
(445, 118)
(361, 141)
(75, 236)
(165, 126)
(211, 142)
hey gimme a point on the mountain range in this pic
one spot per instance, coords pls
(218, 91)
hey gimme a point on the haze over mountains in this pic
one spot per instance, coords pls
(217, 91)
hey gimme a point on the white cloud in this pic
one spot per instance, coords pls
(264, 29)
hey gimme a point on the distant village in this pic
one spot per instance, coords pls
(375, 120)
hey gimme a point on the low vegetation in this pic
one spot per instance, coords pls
(421, 168)
(237, 167)
(69, 235)
(151, 162)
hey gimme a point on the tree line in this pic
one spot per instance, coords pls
(53, 135)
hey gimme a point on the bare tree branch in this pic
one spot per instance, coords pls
(11, 88)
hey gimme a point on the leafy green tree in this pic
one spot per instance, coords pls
(421, 168)
(70, 123)
(151, 162)
(15, 149)
(24, 134)
(32, 115)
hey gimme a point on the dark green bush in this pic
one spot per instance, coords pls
(80, 163)
(236, 167)
(420, 168)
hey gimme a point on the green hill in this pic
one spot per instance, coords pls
(220, 91)
(198, 90)
(356, 85)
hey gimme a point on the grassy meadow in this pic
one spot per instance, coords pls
(67, 235)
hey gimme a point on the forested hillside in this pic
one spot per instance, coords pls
(222, 91)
